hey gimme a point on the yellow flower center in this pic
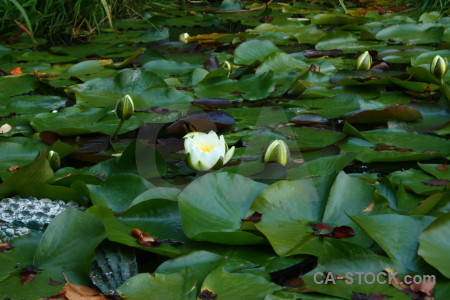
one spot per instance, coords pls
(206, 148)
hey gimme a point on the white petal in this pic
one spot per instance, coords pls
(211, 158)
(213, 135)
(193, 134)
(228, 155)
(188, 145)
(270, 151)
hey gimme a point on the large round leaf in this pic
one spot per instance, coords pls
(402, 241)
(67, 246)
(249, 51)
(348, 268)
(435, 246)
(412, 33)
(212, 207)
(230, 286)
(290, 208)
(176, 286)
(118, 191)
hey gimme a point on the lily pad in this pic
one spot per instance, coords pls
(215, 214)
(434, 246)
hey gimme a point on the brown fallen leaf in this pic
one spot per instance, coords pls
(12, 169)
(146, 240)
(143, 238)
(206, 295)
(72, 291)
(370, 207)
(342, 232)
(387, 147)
(5, 247)
(54, 282)
(29, 274)
(294, 282)
(320, 226)
(254, 218)
(324, 230)
(426, 287)
(16, 71)
(443, 167)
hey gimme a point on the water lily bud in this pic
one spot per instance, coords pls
(228, 66)
(364, 61)
(53, 159)
(278, 151)
(184, 37)
(206, 151)
(439, 66)
(125, 108)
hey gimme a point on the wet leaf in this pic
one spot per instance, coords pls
(253, 50)
(215, 214)
(434, 246)
(403, 113)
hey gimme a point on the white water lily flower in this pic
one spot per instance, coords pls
(206, 150)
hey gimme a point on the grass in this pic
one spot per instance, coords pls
(77, 17)
(431, 5)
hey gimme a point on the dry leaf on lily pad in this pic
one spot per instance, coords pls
(72, 291)
(146, 240)
(16, 71)
(254, 218)
(5, 247)
(324, 230)
(426, 287)
(443, 167)
(207, 295)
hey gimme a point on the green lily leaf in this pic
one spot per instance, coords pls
(288, 223)
(67, 246)
(162, 286)
(412, 33)
(403, 240)
(118, 191)
(215, 214)
(434, 246)
(229, 286)
(252, 50)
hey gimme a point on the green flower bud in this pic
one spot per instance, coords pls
(184, 37)
(125, 108)
(439, 66)
(278, 151)
(364, 62)
(53, 159)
